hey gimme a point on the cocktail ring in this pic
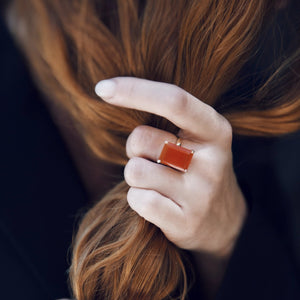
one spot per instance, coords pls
(175, 156)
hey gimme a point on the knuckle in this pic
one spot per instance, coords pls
(222, 127)
(132, 195)
(133, 171)
(216, 120)
(209, 158)
(179, 101)
(137, 138)
(225, 131)
(215, 159)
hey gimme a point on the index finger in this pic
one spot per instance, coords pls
(163, 99)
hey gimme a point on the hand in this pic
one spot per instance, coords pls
(202, 210)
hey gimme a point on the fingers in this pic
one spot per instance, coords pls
(188, 207)
(147, 142)
(142, 173)
(166, 100)
(155, 208)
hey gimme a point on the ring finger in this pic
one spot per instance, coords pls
(147, 142)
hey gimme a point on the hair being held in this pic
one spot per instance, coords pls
(201, 46)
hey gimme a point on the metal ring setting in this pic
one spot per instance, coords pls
(175, 156)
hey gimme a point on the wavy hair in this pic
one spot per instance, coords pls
(208, 48)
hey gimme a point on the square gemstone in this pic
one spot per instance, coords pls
(175, 156)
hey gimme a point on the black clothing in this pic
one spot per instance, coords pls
(266, 260)
(41, 194)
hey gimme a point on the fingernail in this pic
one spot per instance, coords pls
(105, 88)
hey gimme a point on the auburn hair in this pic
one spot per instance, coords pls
(205, 47)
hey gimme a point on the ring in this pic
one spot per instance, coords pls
(175, 156)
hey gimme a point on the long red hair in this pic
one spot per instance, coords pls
(202, 46)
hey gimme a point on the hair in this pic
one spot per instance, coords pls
(206, 47)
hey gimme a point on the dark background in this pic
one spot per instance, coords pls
(40, 191)
(41, 196)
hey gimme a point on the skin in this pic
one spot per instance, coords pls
(202, 210)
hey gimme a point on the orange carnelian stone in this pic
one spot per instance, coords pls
(175, 156)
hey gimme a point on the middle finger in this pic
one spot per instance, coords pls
(142, 173)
